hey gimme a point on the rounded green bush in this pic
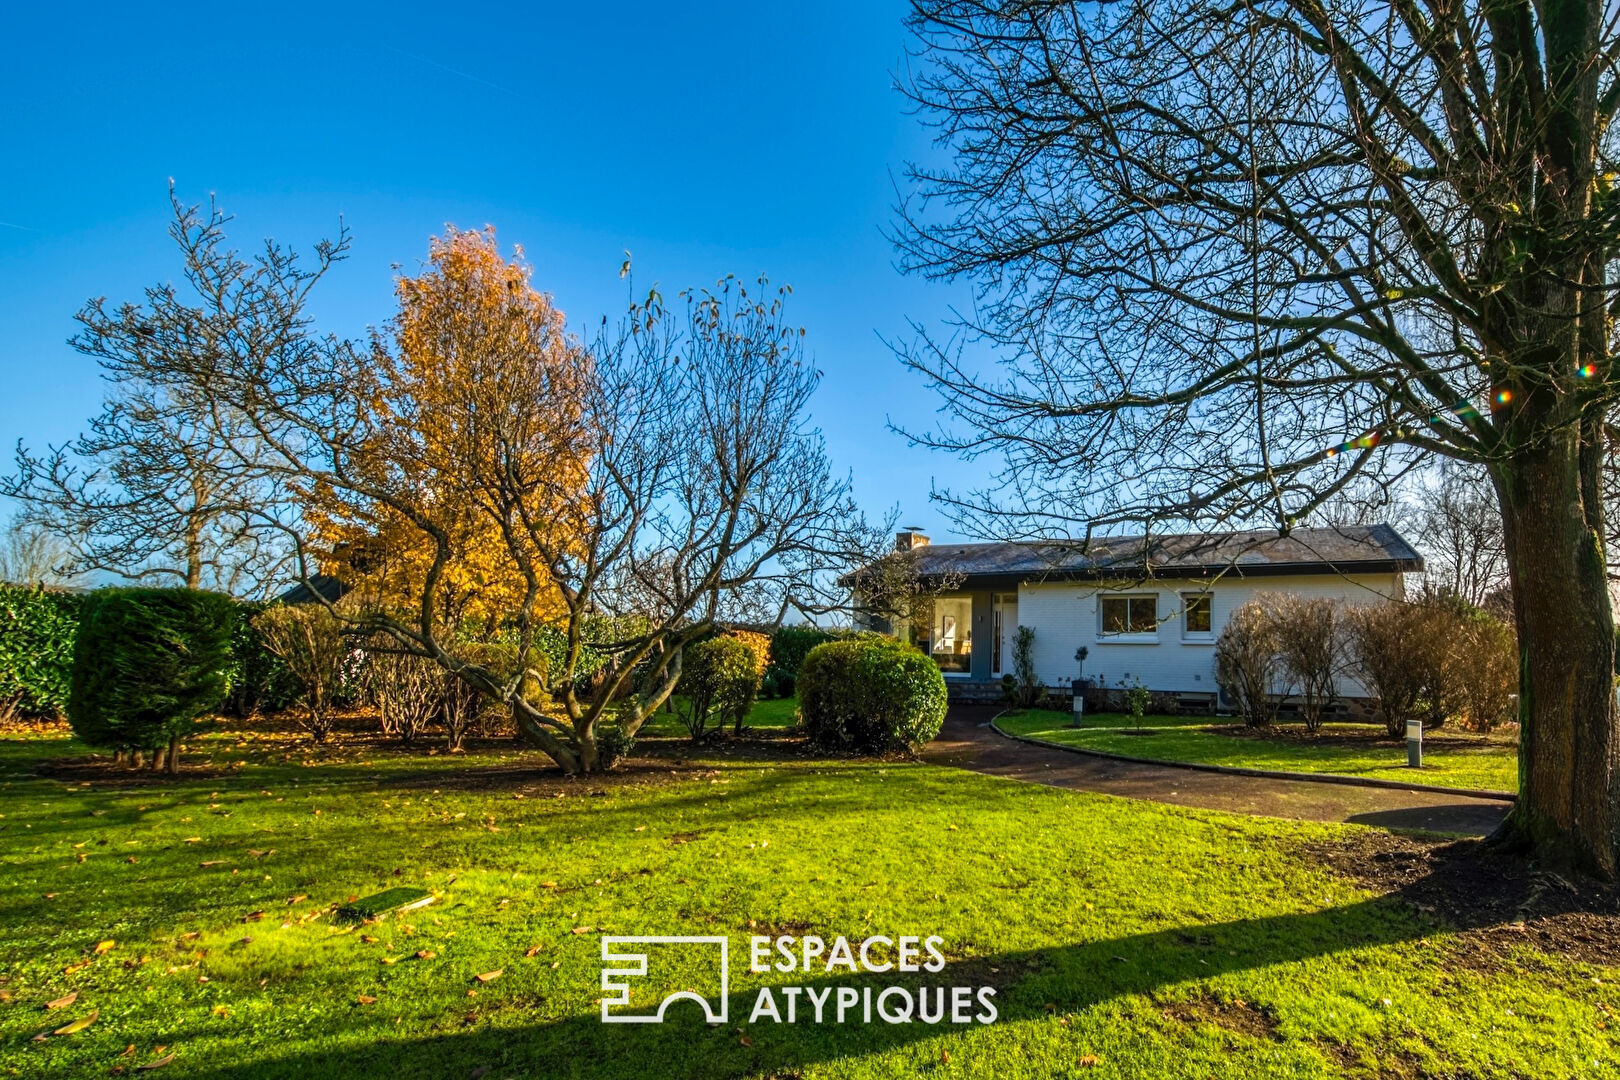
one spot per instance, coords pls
(719, 679)
(148, 663)
(870, 694)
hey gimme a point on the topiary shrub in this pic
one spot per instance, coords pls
(37, 630)
(147, 664)
(719, 679)
(870, 694)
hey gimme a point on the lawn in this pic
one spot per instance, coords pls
(774, 713)
(1453, 759)
(192, 918)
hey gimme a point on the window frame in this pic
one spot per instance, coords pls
(1127, 635)
(1188, 599)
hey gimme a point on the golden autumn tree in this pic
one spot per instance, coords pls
(468, 326)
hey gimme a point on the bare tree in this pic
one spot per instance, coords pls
(32, 555)
(1459, 529)
(663, 472)
(1238, 256)
(149, 493)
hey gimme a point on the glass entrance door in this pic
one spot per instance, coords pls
(1005, 616)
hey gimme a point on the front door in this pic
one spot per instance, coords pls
(1005, 614)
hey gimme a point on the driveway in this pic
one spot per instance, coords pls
(968, 742)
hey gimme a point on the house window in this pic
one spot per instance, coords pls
(951, 640)
(1130, 615)
(1195, 614)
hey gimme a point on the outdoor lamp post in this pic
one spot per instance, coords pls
(1414, 743)
(1080, 655)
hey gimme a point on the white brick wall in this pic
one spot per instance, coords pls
(1066, 616)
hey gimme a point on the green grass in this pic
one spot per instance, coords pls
(1454, 759)
(1119, 932)
(773, 715)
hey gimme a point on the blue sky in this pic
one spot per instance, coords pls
(705, 139)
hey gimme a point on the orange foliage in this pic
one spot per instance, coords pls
(474, 425)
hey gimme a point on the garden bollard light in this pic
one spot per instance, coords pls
(1079, 684)
(1414, 744)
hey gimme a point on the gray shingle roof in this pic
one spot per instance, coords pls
(1252, 552)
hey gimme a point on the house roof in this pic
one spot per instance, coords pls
(1359, 549)
(318, 587)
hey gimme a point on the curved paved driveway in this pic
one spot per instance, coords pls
(968, 742)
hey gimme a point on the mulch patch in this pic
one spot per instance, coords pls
(1235, 1015)
(1493, 897)
(99, 769)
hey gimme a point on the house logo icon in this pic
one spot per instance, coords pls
(626, 957)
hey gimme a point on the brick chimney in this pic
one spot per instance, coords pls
(910, 540)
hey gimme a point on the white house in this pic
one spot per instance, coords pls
(1146, 609)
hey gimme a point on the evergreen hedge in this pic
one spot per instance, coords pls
(147, 663)
(37, 629)
(789, 646)
(870, 694)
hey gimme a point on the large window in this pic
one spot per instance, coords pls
(1195, 615)
(951, 642)
(1130, 615)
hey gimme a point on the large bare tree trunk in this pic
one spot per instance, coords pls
(1569, 759)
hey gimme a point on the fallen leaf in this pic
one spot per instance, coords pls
(531, 950)
(63, 1002)
(128, 1050)
(104, 946)
(211, 862)
(366, 999)
(425, 954)
(155, 1063)
(745, 1040)
(548, 884)
(1089, 1061)
(582, 929)
(489, 976)
(555, 964)
(193, 839)
(79, 1024)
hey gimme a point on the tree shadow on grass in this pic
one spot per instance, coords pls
(1029, 985)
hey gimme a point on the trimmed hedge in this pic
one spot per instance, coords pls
(870, 694)
(789, 646)
(37, 628)
(148, 663)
